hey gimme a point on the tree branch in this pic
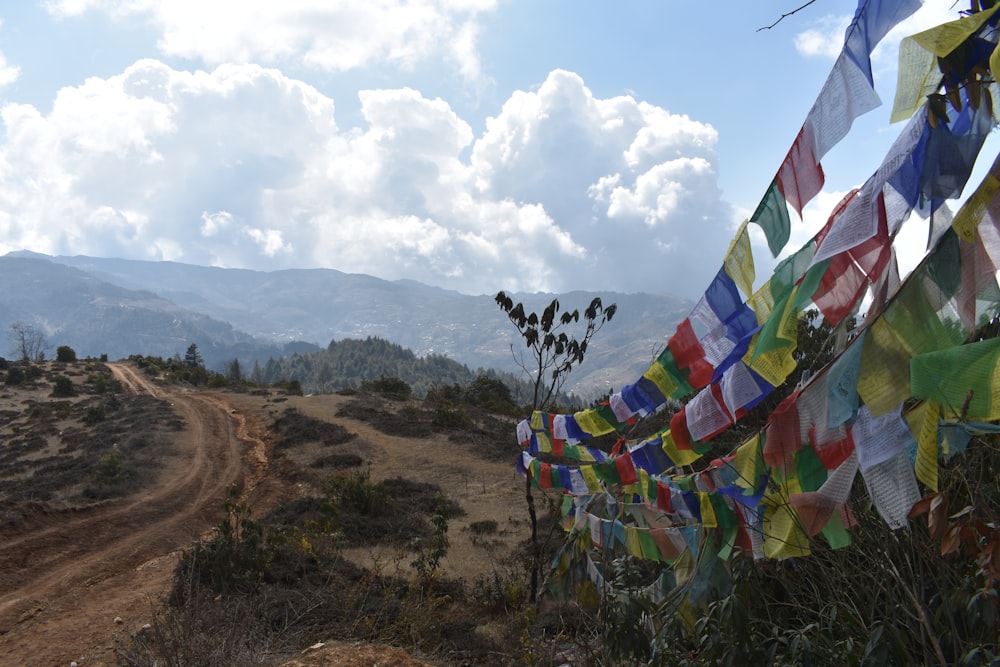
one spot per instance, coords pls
(784, 16)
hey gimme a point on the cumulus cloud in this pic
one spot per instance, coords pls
(329, 35)
(245, 167)
(635, 185)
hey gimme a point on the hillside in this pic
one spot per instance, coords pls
(96, 515)
(253, 315)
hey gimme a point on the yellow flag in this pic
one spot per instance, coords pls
(923, 423)
(680, 457)
(658, 376)
(739, 261)
(590, 477)
(945, 38)
(789, 329)
(762, 302)
(773, 366)
(974, 209)
(590, 421)
(783, 537)
(708, 518)
(918, 74)
(747, 462)
(632, 543)
(884, 378)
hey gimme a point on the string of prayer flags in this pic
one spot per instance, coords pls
(859, 218)
(790, 483)
(762, 332)
(847, 94)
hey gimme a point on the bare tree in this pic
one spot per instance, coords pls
(552, 354)
(25, 341)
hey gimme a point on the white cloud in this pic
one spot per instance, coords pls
(633, 184)
(329, 35)
(825, 38)
(245, 167)
(8, 73)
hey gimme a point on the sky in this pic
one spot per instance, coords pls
(474, 145)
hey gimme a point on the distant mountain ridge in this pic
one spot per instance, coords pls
(120, 307)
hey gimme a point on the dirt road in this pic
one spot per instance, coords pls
(67, 577)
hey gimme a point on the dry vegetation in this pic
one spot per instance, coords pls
(72, 450)
(375, 522)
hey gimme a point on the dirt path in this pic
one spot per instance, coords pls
(67, 577)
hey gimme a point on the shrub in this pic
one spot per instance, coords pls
(235, 560)
(389, 387)
(62, 386)
(490, 394)
(94, 414)
(355, 490)
(15, 376)
(65, 354)
(109, 470)
(290, 387)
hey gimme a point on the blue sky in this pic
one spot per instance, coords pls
(475, 145)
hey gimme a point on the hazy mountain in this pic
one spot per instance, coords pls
(126, 306)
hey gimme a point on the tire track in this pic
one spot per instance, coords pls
(118, 555)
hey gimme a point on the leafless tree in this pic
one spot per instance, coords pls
(26, 342)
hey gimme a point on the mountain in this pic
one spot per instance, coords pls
(226, 310)
(94, 317)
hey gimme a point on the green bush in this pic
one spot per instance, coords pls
(15, 376)
(234, 560)
(65, 354)
(62, 386)
(94, 414)
(389, 387)
(354, 489)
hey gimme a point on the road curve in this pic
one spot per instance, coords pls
(65, 580)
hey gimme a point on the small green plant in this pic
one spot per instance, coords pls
(109, 470)
(429, 551)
